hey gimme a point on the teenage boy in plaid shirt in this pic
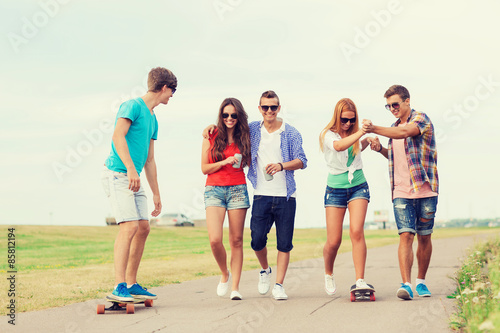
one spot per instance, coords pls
(414, 179)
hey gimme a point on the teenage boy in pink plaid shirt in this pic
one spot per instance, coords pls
(414, 179)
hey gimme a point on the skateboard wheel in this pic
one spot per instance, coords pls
(100, 308)
(372, 297)
(353, 298)
(130, 309)
(148, 303)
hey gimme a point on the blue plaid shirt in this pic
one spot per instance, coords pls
(291, 149)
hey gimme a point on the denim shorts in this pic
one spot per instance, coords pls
(125, 204)
(340, 197)
(229, 197)
(266, 211)
(409, 212)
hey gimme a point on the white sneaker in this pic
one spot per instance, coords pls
(236, 296)
(279, 292)
(330, 286)
(264, 281)
(361, 284)
(223, 286)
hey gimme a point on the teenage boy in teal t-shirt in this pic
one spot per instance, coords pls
(132, 150)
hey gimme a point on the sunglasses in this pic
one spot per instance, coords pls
(233, 115)
(266, 107)
(395, 106)
(173, 90)
(345, 120)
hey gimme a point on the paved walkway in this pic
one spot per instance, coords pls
(194, 307)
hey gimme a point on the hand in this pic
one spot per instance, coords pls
(368, 126)
(208, 131)
(157, 202)
(273, 168)
(375, 144)
(134, 182)
(230, 160)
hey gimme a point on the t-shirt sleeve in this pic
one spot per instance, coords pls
(128, 110)
(422, 121)
(155, 132)
(329, 139)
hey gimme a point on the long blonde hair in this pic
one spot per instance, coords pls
(345, 104)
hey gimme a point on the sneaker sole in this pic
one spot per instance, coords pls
(404, 294)
(424, 295)
(330, 293)
(280, 298)
(144, 297)
(120, 299)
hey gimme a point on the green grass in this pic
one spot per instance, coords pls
(478, 290)
(59, 265)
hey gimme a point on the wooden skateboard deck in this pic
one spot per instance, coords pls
(128, 306)
(362, 294)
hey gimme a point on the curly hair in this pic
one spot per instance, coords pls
(241, 134)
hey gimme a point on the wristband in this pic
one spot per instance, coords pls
(378, 151)
(281, 166)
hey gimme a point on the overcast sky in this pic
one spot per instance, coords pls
(67, 65)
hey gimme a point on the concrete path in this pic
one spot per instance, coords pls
(194, 306)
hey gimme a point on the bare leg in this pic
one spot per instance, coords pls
(282, 266)
(357, 213)
(424, 252)
(215, 220)
(136, 251)
(405, 254)
(262, 257)
(236, 226)
(334, 221)
(122, 248)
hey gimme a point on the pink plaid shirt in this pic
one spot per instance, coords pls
(421, 153)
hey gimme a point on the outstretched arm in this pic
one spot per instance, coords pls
(400, 132)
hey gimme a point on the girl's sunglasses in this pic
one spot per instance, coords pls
(345, 120)
(266, 107)
(233, 115)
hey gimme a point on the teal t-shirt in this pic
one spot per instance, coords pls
(341, 180)
(144, 127)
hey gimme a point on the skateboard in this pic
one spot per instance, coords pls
(128, 306)
(362, 294)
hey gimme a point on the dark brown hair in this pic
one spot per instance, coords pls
(159, 77)
(397, 90)
(269, 94)
(241, 134)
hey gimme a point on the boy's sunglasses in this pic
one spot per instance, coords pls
(345, 120)
(233, 115)
(266, 107)
(395, 106)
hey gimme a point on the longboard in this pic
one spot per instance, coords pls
(362, 294)
(128, 306)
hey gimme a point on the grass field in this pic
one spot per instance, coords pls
(60, 265)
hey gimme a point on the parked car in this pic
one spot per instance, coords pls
(174, 219)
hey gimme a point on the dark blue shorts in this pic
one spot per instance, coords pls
(268, 210)
(340, 197)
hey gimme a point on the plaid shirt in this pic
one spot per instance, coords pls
(291, 148)
(421, 153)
